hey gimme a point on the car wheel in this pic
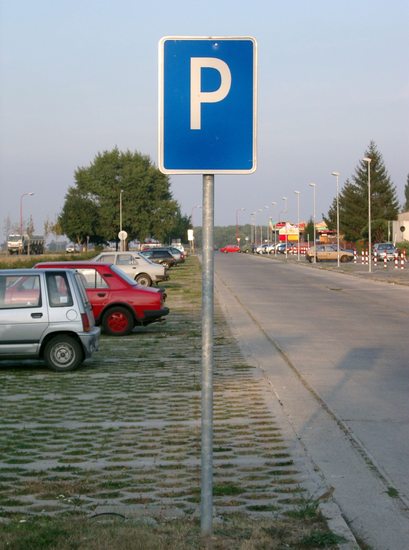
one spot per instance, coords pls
(117, 321)
(63, 353)
(344, 259)
(143, 279)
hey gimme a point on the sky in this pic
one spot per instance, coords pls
(79, 77)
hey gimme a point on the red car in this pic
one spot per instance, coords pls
(230, 248)
(118, 302)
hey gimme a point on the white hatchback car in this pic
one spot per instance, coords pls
(45, 314)
(136, 266)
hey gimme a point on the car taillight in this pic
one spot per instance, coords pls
(86, 327)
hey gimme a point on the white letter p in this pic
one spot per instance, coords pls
(197, 97)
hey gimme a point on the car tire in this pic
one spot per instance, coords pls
(117, 321)
(63, 353)
(344, 259)
(143, 279)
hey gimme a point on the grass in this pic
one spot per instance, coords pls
(135, 411)
(114, 531)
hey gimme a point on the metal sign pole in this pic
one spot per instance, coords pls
(207, 356)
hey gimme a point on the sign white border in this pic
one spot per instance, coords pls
(161, 106)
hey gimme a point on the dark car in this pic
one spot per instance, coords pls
(177, 254)
(118, 302)
(160, 256)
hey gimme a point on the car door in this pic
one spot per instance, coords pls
(23, 313)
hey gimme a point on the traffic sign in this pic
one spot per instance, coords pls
(207, 105)
(122, 235)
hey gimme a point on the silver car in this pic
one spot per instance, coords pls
(141, 269)
(45, 314)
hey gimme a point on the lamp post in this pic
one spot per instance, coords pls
(191, 220)
(283, 211)
(21, 210)
(121, 242)
(237, 223)
(298, 224)
(368, 161)
(314, 221)
(273, 204)
(253, 229)
(336, 174)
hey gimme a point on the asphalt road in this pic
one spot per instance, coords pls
(335, 349)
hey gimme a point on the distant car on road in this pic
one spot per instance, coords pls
(328, 252)
(383, 250)
(265, 249)
(118, 302)
(230, 248)
(45, 314)
(136, 266)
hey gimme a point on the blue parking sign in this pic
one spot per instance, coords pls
(207, 105)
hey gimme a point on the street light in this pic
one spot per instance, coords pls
(368, 160)
(253, 228)
(121, 241)
(283, 211)
(191, 221)
(21, 210)
(298, 224)
(315, 252)
(237, 223)
(273, 204)
(336, 174)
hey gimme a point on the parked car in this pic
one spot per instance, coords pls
(326, 252)
(118, 302)
(282, 247)
(175, 252)
(159, 256)
(72, 248)
(384, 249)
(136, 266)
(265, 249)
(46, 314)
(230, 248)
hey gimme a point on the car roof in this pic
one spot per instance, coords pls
(75, 263)
(29, 271)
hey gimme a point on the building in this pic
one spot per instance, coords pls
(400, 228)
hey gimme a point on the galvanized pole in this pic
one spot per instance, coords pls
(207, 356)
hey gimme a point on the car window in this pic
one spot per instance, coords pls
(92, 279)
(81, 280)
(124, 259)
(20, 292)
(122, 275)
(59, 292)
(107, 259)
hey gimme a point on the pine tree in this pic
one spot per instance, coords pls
(353, 200)
(406, 205)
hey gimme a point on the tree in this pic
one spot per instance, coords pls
(309, 231)
(353, 200)
(79, 217)
(406, 205)
(92, 206)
